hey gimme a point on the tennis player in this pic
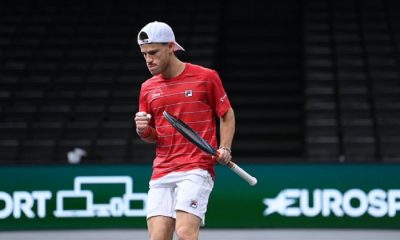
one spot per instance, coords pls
(183, 175)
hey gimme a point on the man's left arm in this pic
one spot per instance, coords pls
(227, 131)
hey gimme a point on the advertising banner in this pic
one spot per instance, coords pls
(286, 196)
(309, 196)
(76, 197)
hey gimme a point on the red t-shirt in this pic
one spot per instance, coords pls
(196, 96)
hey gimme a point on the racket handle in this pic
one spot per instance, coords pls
(242, 173)
(239, 171)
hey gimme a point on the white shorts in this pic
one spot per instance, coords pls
(186, 191)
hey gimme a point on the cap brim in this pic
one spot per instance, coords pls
(178, 47)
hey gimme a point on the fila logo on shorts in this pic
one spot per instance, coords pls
(193, 204)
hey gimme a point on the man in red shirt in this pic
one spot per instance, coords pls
(183, 175)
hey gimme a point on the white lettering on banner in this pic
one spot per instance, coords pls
(394, 202)
(117, 206)
(278, 204)
(305, 203)
(378, 207)
(331, 199)
(21, 203)
(359, 195)
(326, 202)
(293, 194)
(8, 205)
(33, 204)
(41, 197)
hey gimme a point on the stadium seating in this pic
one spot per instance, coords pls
(352, 80)
(261, 67)
(310, 81)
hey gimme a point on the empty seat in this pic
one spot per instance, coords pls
(20, 113)
(121, 112)
(61, 97)
(55, 113)
(108, 67)
(76, 67)
(89, 113)
(5, 97)
(37, 151)
(99, 82)
(124, 97)
(13, 130)
(47, 130)
(359, 149)
(81, 130)
(390, 149)
(110, 150)
(94, 97)
(388, 126)
(140, 151)
(68, 81)
(117, 129)
(322, 148)
(9, 150)
(29, 97)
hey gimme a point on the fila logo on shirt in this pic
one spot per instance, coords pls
(188, 93)
(156, 93)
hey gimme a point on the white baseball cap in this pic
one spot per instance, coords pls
(158, 32)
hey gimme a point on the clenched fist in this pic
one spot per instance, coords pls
(142, 120)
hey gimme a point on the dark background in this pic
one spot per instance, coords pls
(310, 81)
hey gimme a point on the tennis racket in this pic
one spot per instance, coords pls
(195, 138)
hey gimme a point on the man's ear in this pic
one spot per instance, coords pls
(171, 46)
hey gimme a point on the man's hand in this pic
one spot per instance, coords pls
(142, 120)
(224, 155)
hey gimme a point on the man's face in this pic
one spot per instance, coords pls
(157, 56)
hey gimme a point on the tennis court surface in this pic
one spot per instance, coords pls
(211, 234)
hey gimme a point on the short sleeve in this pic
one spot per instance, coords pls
(219, 99)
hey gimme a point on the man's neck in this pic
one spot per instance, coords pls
(176, 67)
